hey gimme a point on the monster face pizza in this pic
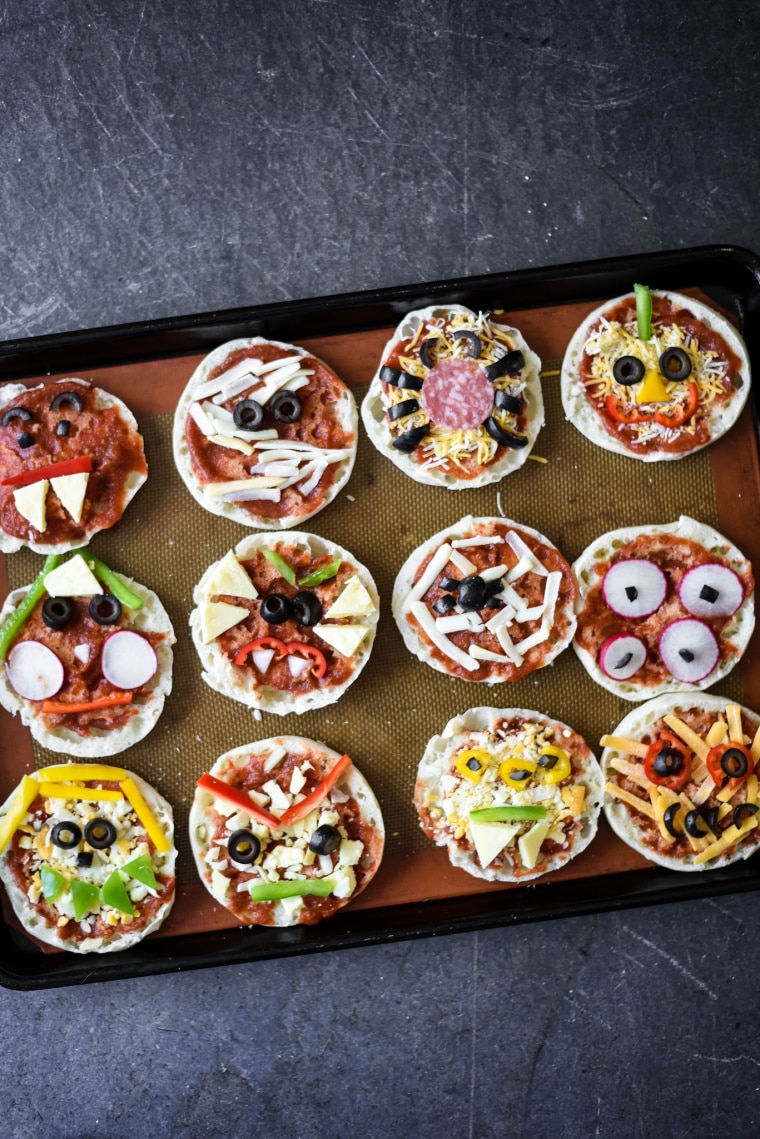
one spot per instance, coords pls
(71, 459)
(456, 401)
(264, 433)
(655, 375)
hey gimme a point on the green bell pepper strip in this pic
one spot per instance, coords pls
(507, 814)
(12, 625)
(643, 311)
(273, 891)
(141, 870)
(114, 583)
(280, 564)
(52, 883)
(323, 574)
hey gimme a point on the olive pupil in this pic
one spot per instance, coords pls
(734, 763)
(631, 592)
(473, 764)
(668, 762)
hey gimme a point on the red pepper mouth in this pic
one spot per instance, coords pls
(80, 465)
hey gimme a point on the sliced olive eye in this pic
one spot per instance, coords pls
(628, 370)
(285, 407)
(248, 414)
(105, 609)
(325, 840)
(675, 364)
(307, 608)
(100, 834)
(67, 399)
(474, 346)
(63, 428)
(243, 847)
(25, 439)
(276, 608)
(66, 835)
(57, 612)
(16, 413)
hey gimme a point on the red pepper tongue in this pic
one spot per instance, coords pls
(457, 394)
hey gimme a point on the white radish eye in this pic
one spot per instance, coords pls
(34, 671)
(689, 650)
(711, 591)
(128, 660)
(621, 656)
(634, 587)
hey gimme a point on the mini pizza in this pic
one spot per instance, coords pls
(264, 433)
(510, 793)
(456, 401)
(85, 657)
(87, 856)
(285, 831)
(284, 625)
(662, 608)
(71, 459)
(655, 375)
(681, 781)
(487, 600)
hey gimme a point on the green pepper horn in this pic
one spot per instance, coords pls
(114, 583)
(643, 311)
(12, 624)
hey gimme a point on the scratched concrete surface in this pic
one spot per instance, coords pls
(160, 158)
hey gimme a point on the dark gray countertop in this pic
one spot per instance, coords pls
(160, 159)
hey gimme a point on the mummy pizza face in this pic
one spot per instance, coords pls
(486, 600)
(87, 856)
(284, 625)
(655, 386)
(662, 608)
(71, 459)
(457, 398)
(264, 433)
(85, 657)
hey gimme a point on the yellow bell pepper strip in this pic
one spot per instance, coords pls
(556, 764)
(643, 311)
(113, 583)
(145, 815)
(61, 708)
(240, 799)
(52, 883)
(11, 627)
(23, 797)
(87, 794)
(113, 893)
(281, 565)
(316, 577)
(312, 801)
(141, 870)
(273, 891)
(472, 763)
(81, 465)
(517, 772)
(507, 814)
(63, 772)
(83, 894)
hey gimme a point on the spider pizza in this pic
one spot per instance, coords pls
(71, 459)
(264, 433)
(662, 608)
(285, 831)
(87, 856)
(655, 375)
(85, 657)
(510, 793)
(486, 600)
(681, 781)
(284, 625)
(456, 401)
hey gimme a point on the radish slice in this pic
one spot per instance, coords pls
(634, 587)
(262, 658)
(621, 656)
(711, 591)
(34, 671)
(128, 660)
(689, 650)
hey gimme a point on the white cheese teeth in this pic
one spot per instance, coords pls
(31, 501)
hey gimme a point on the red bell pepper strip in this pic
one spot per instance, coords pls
(677, 779)
(261, 643)
(240, 798)
(683, 412)
(319, 665)
(616, 412)
(59, 708)
(78, 466)
(312, 801)
(720, 776)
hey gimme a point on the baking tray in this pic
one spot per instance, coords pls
(416, 892)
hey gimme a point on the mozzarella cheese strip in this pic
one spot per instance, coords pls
(436, 565)
(486, 654)
(258, 482)
(458, 622)
(245, 368)
(476, 540)
(522, 550)
(541, 634)
(523, 566)
(420, 612)
(492, 573)
(463, 564)
(308, 485)
(502, 617)
(506, 642)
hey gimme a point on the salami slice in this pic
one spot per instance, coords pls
(457, 394)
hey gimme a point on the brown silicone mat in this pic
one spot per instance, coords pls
(384, 720)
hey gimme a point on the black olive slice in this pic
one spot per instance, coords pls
(743, 811)
(631, 592)
(675, 364)
(510, 365)
(276, 608)
(66, 835)
(494, 586)
(695, 824)
(711, 818)
(307, 608)
(669, 761)
(243, 847)
(494, 603)
(734, 763)
(104, 608)
(248, 415)
(669, 819)
(25, 439)
(63, 428)
(391, 376)
(628, 370)
(474, 345)
(547, 761)
(624, 661)
(16, 413)
(84, 858)
(471, 593)
(285, 407)
(100, 834)
(57, 612)
(325, 839)
(686, 654)
(505, 401)
(410, 439)
(708, 594)
(405, 407)
(443, 605)
(506, 438)
(67, 399)
(425, 348)
(449, 584)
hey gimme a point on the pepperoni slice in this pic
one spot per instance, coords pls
(457, 394)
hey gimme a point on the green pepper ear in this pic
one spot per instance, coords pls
(643, 311)
(141, 870)
(52, 883)
(83, 895)
(113, 893)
